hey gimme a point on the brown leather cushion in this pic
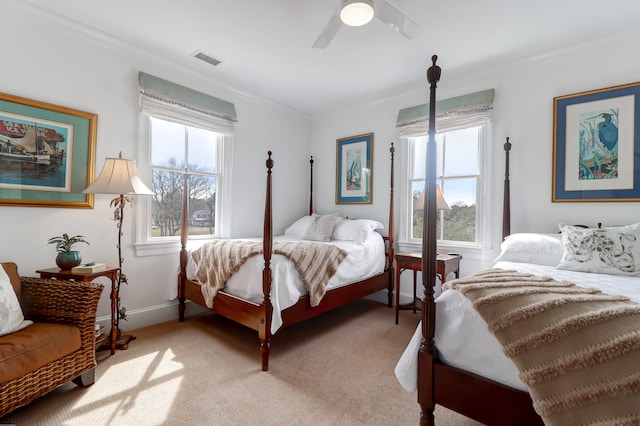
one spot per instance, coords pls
(12, 270)
(37, 345)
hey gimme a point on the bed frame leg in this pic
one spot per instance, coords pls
(426, 417)
(264, 352)
(181, 310)
(391, 285)
(181, 298)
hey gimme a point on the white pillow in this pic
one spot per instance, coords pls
(11, 317)
(321, 227)
(299, 227)
(539, 249)
(354, 229)
(613, 250)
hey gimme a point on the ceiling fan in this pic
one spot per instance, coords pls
(360, 12)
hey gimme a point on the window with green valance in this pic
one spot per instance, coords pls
(162, 97)
(451, 114)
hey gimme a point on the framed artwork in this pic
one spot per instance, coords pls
(47, 154)
(596, 140)
(354, 162)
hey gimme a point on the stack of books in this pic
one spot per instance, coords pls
(88, 267)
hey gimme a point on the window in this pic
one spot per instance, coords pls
(462, 169)
(189, 134)
(176, 149)
(458, 156)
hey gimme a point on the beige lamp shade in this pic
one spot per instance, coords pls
(119, 176)
(441, 203)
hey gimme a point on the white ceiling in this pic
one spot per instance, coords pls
(265, 45)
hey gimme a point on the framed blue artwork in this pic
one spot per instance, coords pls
(596, 145)
(354, 162)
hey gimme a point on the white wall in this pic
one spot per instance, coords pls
(523, 111)
(69, 66)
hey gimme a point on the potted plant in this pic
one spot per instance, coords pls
(67, 258)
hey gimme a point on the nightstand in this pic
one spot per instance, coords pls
(445, 264)
(110, 272)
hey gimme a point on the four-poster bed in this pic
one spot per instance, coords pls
(438, 383)
(258, 314)
(564, 307)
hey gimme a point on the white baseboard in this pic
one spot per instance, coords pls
(151, 315)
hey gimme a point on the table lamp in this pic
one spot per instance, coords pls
(119, 176)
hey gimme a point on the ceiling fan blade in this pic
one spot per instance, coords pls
(329, 32)
(396, 19)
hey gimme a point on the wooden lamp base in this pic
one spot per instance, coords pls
(122, 341)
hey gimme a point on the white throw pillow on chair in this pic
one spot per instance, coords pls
(11, 316)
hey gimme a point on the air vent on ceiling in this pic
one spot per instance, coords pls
(208, 59)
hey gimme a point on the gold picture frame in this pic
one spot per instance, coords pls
(47, 154)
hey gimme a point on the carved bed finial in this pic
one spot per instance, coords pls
(269, 161)
(507, 145)
(434, 71)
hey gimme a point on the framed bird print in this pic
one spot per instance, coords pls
(596, 142)
(354, 169)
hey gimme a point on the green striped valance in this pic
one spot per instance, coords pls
(451, 114)
(174, 94)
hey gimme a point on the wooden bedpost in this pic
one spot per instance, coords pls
(391, 252)
(506, 207)
(426, 397)
(311, 186)
(267, 246)
(184, 232)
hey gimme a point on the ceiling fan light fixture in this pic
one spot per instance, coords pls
(356, 13)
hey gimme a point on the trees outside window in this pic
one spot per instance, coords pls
(178, 150)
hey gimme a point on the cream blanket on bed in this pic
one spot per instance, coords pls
(577, 349)
(218, 260)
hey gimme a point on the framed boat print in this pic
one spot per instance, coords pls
(354, 161)
(47, 154)
(596, 140)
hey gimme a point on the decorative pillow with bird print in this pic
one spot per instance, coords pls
(612, 250)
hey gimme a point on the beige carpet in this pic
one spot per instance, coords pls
(336, 369)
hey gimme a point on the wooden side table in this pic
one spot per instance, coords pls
(445, 264)
(110, 272)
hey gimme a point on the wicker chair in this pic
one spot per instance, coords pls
(55, 301)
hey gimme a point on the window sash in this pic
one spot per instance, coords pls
(483, 208)
(150, 107)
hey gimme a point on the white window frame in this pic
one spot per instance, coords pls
(483, 200)
(145, 245)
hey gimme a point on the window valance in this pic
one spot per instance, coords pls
(451, 114)
(166, 92)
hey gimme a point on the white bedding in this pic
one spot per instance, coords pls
(365, 260)
(464, 341)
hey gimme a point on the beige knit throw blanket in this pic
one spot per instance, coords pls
(218, 260)
(577, 349)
